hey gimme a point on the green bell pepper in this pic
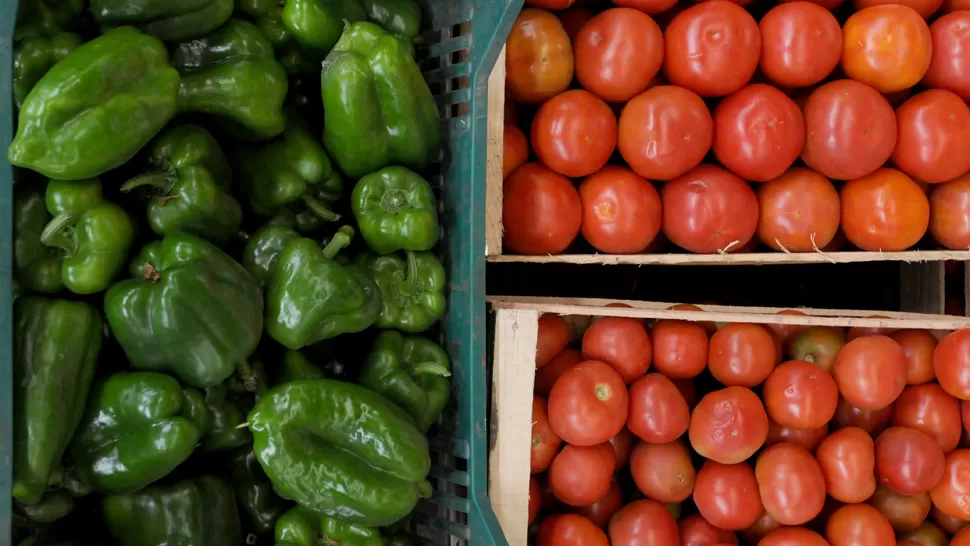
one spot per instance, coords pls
(192, 185)
(47, 18)
(254, 491)
(138, 427)
(34, 56)
(197, 511)
(399, 17)
(169, 20)
(341, 450)
(97, 107)
(195, 312)
(232, 74)
(223, 429)
(318, 24)
(301, 527)
(311, 297)
(53, 506)
(263, 248)
(412, 372)
(378, 109)
(412, 289)
(395, 210)
(296, 366)
(56, 346)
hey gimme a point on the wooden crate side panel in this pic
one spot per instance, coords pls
(495, 158)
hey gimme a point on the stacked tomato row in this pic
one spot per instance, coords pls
(745, 125)
(778, 435)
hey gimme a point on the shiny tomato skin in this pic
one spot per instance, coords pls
(950, 63)
(697, 531)
(951, 492)
(800, 395)
(904, 512)
(621, 342)
(847, 460)
(570, 530)
(850, 130)
(574, 133)
(793, 536)
(658, 412)
(729, 425)
(859, 525)
(727, 495)
(516, 149)
(791, 484)
(582, 475)
(807, 439)
(539, 58)
(931, 410)
(932, 129)
(918, 346)
(588, 404)
(819, 345)
(712, 48)
(602, 510)
(679, 348)
(871, 372)
(622, 447)
(709, 209)
(643, 523)
(871, 421)
(887, 47)
(950, 213)
(908, 461)
(801, 43)
(541, 211)
(535, 498)
(545, 442)
(618, 52)
(800, 211)
(663, 472)
(884, 211)
(741, 355)
(552, 337)
(622, 212)
(546, 376)
(665, 132)
(758, 132)
(951, 362)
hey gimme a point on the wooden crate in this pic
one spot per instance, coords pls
(513, 373)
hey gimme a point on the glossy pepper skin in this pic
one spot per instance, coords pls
(191, 184)
(396, 209)
(318, 24)
(254, 491)
(412, 289)
(372, 86)
(195, 511)
(169, 20)
(232, 73)
(192, 311)
(137, 428)
(301, 527)
(55, 354)
(34, 56)
(412, 372)
(53, 506)
(366, 463)
(263, 249)
(76, 123)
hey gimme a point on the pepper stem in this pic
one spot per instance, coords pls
(245, 372)
(407, 287)
(430, 368)
(318, 209)
(424, 488)
(58, 233)
(157, 179)
(340, 241)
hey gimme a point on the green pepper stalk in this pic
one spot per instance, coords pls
(412, 289)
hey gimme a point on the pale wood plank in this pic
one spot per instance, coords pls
(495, 157)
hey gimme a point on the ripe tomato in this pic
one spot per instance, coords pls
(931, 131)
(793, 536)
(850, 130)
(758, 132)
(819, 345)
(808, 439)
(570, 530)
(709, 209)
(679, 348)
(950, 213)
(622, 212)
(588, 404)
(791, 484)
(727, 495)
(551, 338)
(871, 372)
(663, 472)
(847, 460)
(887, 47)
(617, 53)
(860, 331)
(582, 475)
(621, 342)
(801, 44)
(665, 132)
(643, 522)
(926, 534)
(712, 48)
(545, 442)
(800, 395)
(539, 58)
(947, 522)
(800, 210)
(925, 8)
(535, 498)
(546, 376)
(541, 211)
(908, 461)
(728, 426)
(951, 362)
(950, 64)
(697, 531)
(653, 7)
(602, 510)
(859, 525)
(918, 346)
(930, 410)
(741, 355)
(904, 512)
(951, 492)
(516, 149)
(884, 211)
(871, 421)
(961, 539)
(574, 133)
(658, 413)
(786, 332)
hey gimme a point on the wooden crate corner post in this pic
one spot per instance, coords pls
(495, 158)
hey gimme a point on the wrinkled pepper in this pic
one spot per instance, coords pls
(296, 366)
(97, 107)
(53, 506)
(311, 297)
(194, 311)
(412, 289)
(191, 184)
(196, 511)
(395, 210)
(378, 109)
(254, 491)
(341, 450)
(232, 74)
(47, 18)
(137, 428)
(169, 20)
(301, 527)
(34, 56)
(56, 346)
(412, 372)
(222, 430)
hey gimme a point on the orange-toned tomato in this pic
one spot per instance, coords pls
(819, 345)
(741, 354)
(847, 459)
(573, 20)
(602, 510)
(516, 149)
(950, 213)
(887, 47)
(727, 495)
(546, 376)
(541, 211)
(697, 531)
(801, 43)
(538, 58)
(800, 395)
(728, 426)
(535, 498)
(950, 64)
(552, 336)
(679, 348)
(621, 342)
(588, 404)
(582, 475)
(871, 372)
(618, 53)
(859, 525)
(663, 472)
(908, 461)
(658, 412)
(950, 493)
(904, 512)
(545, 442)
(622, 447)
(652, 7)
(643, 522)
(951, 362)
(884, 211)
(622, 212)
(925, 8)
(918, 346)
(800, 211)
(570, 530)
(808, 439)
(574, 133)
(929, 409)
(961, 539)
(791, 484)
(793, 536)
(932, 130)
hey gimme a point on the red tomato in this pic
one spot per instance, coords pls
(793, 536)
(709, 209)
(550, 4)
(947, 522)
(950, 213)
(582, 475)
(697, 531)
(786, 332)
(643, 523)
(819, 345)
(884, 211)
(850, 130)
(800, 211)
(545, 442)
(622, 212)
(808, 439)
(741, 355)
(871, 372)
(570, 530)
(950, 63)
(847, 460)
(516, 149)
(547, 376)
(663, 472)
(653, 7)
(665, 132)
(658, 413)
(871, 421)
(887, 47)
(602, 510)
(622, 446)
(573, 20)
(574, 133)
(552, 337)
(961, 539)
(712, 48)
(930, 410)
(539, 58)
(931, 131)
(904, 512)
(908, 461)
(791, 484)
(617, 53)
(801, 44)
(758, 132)
(535, 498)
(918, 346)
(728, 426)
(588, 404)
(951, 492)
(679, 348)
(951, 362)
(859, 525)
(800, 395)
(727, 495)
(621, 342)
(541, 211)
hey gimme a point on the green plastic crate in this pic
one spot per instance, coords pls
(457, 57)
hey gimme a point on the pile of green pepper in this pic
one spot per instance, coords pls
(227, 285)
